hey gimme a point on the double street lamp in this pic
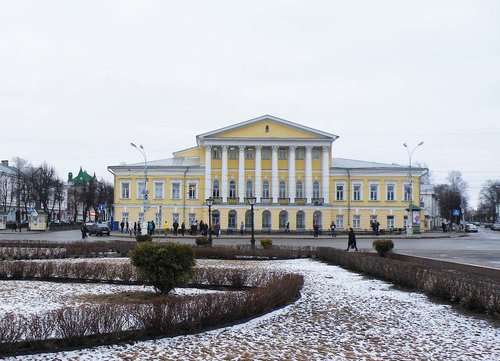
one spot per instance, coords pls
(210, 202)
(409, 223)
(251, 201)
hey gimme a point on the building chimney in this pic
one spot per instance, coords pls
(70, 177)
(5, 163)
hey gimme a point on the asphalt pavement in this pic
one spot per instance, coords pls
(482, 248)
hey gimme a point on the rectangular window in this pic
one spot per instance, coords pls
(340, 192)
(316, 153)
(390, 192)
(192, 190)
(141, 190)
(407, 192)
(125, 190)
(266, 153)
(249, 154)
(300, 153)
(175, 218)
(356, 222)
(141, 219)
(192, 218)
(356, 192)
(176, 190)
(216, 153)
(158, 190)
(125, 216)
(233, 153)
(282, 153)
(373, 192)
(390, 222)
(339, 221)
(158, 219)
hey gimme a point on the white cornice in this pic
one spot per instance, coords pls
(267, 142)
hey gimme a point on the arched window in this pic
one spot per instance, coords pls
(300, 219)
(232, 220)
(249, 190)
(315, 189)
(248, 219)
(232, 189)
(299, 190)
(215, 189)
(265, 189)
(283, 219)
(266, 220)
(282, 189)
(317, 219)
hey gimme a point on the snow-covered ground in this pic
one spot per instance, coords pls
(35, 297)
(340, 316)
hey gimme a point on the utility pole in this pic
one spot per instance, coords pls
(409, 223)
(141, 150)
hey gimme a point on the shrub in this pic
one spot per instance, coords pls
(164, 266)
(382, 246)
(266, 243)
(143, 238)
(202, 241)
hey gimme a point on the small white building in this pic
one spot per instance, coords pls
(429, 202)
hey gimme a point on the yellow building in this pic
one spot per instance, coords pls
(291, 169)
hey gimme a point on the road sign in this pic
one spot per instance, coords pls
(455, 212)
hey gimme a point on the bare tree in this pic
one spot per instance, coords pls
(452, 195)
(489, 197)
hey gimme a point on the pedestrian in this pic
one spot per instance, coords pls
(242, 228)
(377, 228)
(138, 227)
(176, 226)
(202, 228)
(443, 226)
(153, 227)
(127, 227)
(351, 242)
(166, 227)
(83, 229)
(217, 230)
(332, 228)
(135, 228)
(287, 227)
(316, 230)
(122, 225)
(183, 228)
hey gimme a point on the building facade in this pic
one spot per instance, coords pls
(291, 169)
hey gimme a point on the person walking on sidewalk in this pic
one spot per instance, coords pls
(351, 243)
(183, 228)
(242, 228)
(332, 229)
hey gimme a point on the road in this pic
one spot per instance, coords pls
(482, 248)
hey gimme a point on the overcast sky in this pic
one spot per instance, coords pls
(79, 80)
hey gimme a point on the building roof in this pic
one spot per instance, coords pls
(8, 169)
(363, 164)
(167, 162)
(266, 117)
(83, 177)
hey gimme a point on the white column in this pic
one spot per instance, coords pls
(241, 174)
(208, 171)
(308, 176)
(274, 171)
(291, 173)
(325, 170)
(258, 172)
(224, 174)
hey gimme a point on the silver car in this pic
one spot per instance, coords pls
(496, 227)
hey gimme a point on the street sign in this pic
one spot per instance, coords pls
(455, 212)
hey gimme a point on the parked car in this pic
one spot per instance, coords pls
(469, 227)
(98, 229)
(496, 227)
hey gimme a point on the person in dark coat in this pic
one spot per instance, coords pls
(217, 230)
(443, 225)
(316, 230)
(126, 227)
(183, 228)
(135, 228)
(138, 227)
(351, 243)
(153, 227)
(84, 231)
(176, 227)
(332, 228)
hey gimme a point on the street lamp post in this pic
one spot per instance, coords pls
(209, 201)
(409, 223)
(251, 201)
(141, 150)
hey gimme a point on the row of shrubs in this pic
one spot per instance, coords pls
(110, 323)
(472, 290)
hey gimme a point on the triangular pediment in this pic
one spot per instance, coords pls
(267, 127)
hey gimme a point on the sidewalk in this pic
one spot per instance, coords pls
(429, 235)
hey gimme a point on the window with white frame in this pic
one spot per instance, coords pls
(340, 192)
(124, 216)
(282, 153)
(176, 190)
(233, 153)
(356, 192)
(216, 153)
(316, 189)
(215, 189)
(299, 189)
(175, 218)
(265, 189)
(300, 153)
(249, 188)
(390, 193)
(249, 153)
(266, 153)
(192, 218)
(339, 221)
(316, 153)
(158, 190)
(390, 222)
(141, 219)
(141, 190)
(374, 192)
(125, 190)
(282, 189)
(356, 221)
(232, 189)
(407, 192)
(192, 191)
